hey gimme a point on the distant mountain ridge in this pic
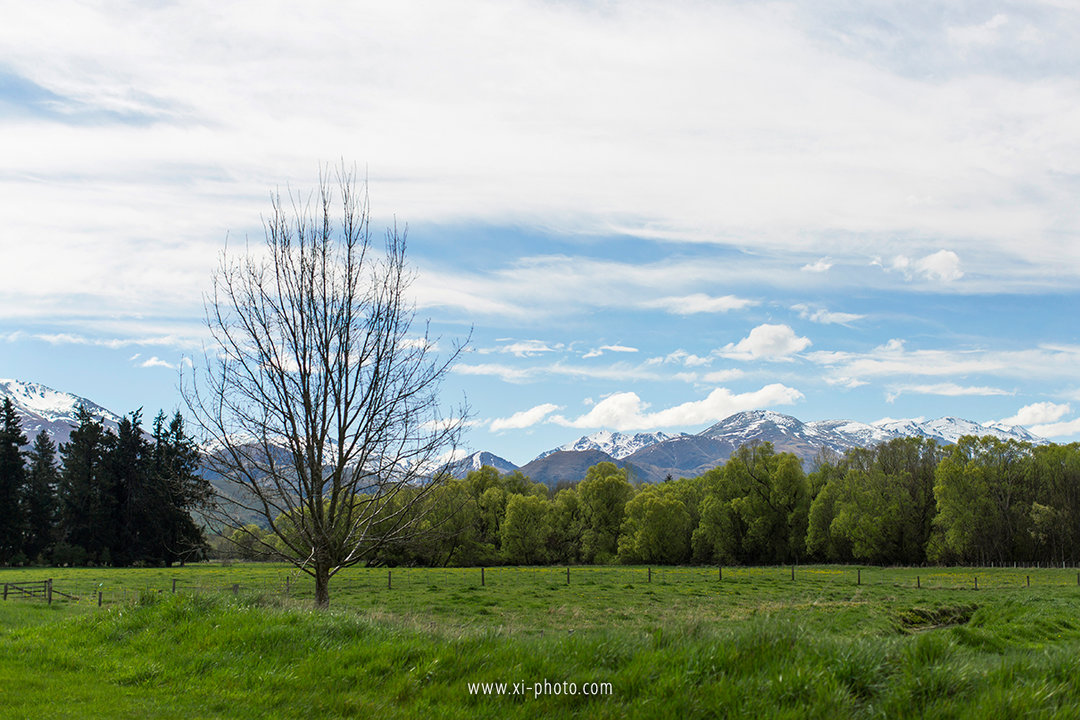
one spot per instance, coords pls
(479, 459)
(616, 444)
(688, 455)
(40, 407)
(648, 456)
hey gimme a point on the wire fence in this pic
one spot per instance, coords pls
(289, 584)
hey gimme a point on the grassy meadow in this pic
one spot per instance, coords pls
(667, 642)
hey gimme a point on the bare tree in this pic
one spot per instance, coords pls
(318, 400)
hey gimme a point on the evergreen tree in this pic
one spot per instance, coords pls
(86, 499)
(181, 488)
(138, 502)
(39, 497)
(12, 478)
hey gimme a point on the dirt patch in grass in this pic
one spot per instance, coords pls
(921, 619)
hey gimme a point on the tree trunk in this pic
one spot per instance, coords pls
(322, 586)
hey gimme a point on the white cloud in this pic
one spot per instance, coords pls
(521, 374)
(419, 343)
(1055, 430)
(1041, 413)
(819, 266)
(524, 419)
(767, 342)
(506, 373)
(524, 348)
(699, 303)
(821, 315)
(597, 352)
(627, 411)
(719, 376)
(943, 266)
(986, 33)
(682, 357)
(157, 362)
(944, 389)
(175, 115)
(894, 359)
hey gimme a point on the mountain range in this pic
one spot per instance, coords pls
(650, 456)
(42, 408)
(688, 455)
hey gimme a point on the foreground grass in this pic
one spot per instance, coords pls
(679, 646)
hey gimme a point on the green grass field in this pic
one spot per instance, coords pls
(900, 643)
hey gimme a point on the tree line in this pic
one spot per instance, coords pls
(107, 497)
(907, 501)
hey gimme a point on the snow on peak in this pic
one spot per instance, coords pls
(40, 407)
(950, 429)
(616, 444)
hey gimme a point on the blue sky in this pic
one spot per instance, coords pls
(649, 215)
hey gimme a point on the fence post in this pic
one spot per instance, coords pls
(174, 585)
(719, 573)
(650, 574)
(287, 586)
(792, 572)
(567, 574)
(918, 582)
(389, 580)
(1029, 581)
(48, 590)
(976, 582)
(483, 582)
(99, 598)
(858, 578)
(235, 589)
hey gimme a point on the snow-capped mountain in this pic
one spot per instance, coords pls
(688, 455)
(951, 429)
(43, 408)
(616, 444)
(477, 460)
(840, 435)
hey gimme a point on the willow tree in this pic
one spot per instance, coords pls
(318, 398)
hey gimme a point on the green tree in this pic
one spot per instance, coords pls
(716, 539)
(984, 498)
(12, 480)
(177, 490)
(86, 498)
(656, 529)
(567, 526)
(604, 493)
(770, 495)
(39, 497)
(247, 544)
(138, 503)
(1055, 513)
(526, 530)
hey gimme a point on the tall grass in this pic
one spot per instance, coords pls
(219, 656)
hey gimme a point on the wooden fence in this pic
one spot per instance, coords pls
(36, 590)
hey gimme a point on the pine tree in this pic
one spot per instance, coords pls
(12, 477)
(39, 497)
(137, 503)
(175, 468)
(86, 498)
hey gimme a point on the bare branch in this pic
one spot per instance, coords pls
(321, 410)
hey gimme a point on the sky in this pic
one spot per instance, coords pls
(642, 215)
